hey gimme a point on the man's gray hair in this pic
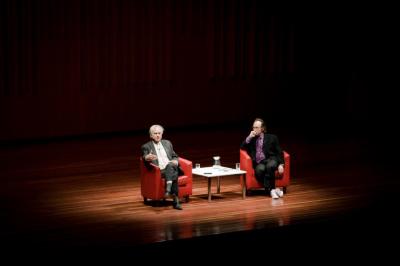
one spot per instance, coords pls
(155, 127)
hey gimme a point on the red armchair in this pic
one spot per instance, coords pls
(153, 186)
(246, 164)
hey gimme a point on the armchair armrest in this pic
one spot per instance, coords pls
(150, 178)
(286, 172)
(151, 173)
(186, 166)
(246, 162)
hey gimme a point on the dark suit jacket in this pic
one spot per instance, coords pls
(271, 148)
(169, 150)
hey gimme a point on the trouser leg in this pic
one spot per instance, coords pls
(265, 173)
(170, 173)
(271, 167)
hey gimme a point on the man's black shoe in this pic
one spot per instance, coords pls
(178, 206)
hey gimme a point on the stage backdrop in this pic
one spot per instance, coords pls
(72, 67)
(83, 67)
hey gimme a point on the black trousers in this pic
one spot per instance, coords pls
(170, 173)
(265, 172)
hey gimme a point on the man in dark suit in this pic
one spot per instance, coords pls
(266, 155)
(160, 152)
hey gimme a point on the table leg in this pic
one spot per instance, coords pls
(218, 185)
(209, 189)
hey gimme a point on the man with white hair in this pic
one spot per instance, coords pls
(160, 152)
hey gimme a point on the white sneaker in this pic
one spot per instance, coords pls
(279, 192)
(273, 194)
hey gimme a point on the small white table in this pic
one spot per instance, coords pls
(218, 171)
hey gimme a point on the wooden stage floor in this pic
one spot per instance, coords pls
(83, 195)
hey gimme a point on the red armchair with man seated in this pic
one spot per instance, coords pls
(153, 186)
(281, 181)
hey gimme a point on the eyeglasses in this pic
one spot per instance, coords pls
(256, 127)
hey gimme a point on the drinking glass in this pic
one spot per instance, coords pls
(217, 161)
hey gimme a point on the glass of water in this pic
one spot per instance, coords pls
(217, 161)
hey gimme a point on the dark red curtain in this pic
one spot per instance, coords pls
(73, 67)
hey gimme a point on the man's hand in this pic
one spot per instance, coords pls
(150, 157)
(252, 134)
(175, 162)
(280, 169)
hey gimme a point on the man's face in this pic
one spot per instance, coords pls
(156, 135)
(257, 127)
